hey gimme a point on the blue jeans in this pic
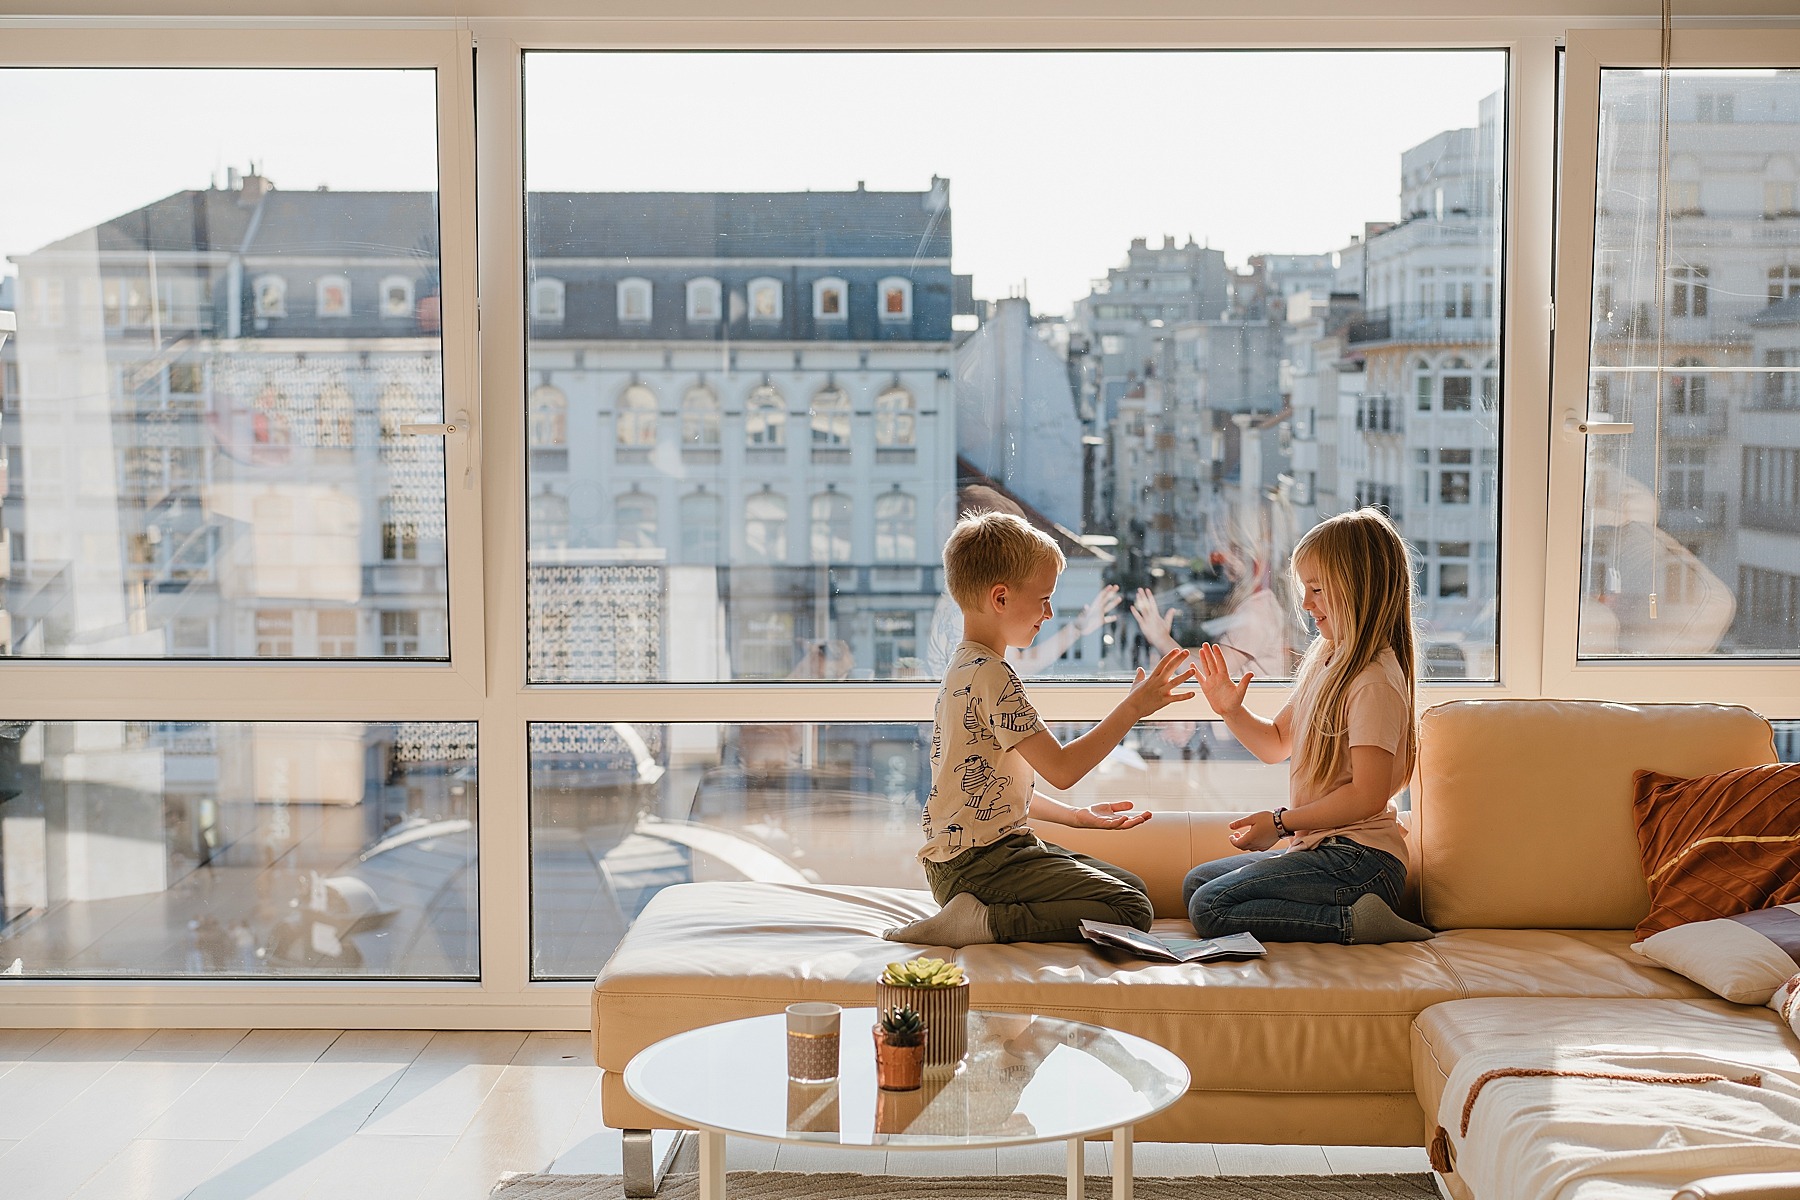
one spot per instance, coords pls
(1297, 896)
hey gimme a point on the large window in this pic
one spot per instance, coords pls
(1691, 513)
(1151, 401)
(252, 320)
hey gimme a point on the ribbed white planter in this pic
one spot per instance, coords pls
(946, 1014)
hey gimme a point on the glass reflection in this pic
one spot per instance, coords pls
(782, 389)
(237, 849)
(1691, 531)
(621, 811)
(203, 416)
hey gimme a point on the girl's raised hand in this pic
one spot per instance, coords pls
(1225, 696)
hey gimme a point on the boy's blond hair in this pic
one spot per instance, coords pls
(987, 548)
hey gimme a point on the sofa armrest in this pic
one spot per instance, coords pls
(1778, 1185)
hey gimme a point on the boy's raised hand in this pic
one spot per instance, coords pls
(1225, 696)
(1156, 690)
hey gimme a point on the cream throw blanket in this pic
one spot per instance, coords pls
(1563, 1133)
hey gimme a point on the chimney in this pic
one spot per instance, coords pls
(250, 188)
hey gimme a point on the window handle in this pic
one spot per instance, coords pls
(461, 424)
(1597, 425)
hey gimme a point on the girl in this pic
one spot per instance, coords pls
(1349, 727)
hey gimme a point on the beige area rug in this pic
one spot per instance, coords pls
(791, 1185)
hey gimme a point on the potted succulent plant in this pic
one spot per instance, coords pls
(939, 992)
(899, 1050)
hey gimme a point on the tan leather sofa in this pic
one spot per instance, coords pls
(1525, 860)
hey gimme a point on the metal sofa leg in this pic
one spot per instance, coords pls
(649, 1153)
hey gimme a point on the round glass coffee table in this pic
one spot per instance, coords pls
(1026, 1079)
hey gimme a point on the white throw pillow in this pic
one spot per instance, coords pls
(1786, 1002)
(1742, 958)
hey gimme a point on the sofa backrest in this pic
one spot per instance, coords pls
(1522, 809)
(1159, 851)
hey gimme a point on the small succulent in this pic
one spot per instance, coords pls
(923, 973)
(902, 1027)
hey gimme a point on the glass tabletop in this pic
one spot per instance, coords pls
(1026, 1079)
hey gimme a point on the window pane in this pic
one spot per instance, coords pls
(214, 365)
(160, 849)
(1691, 527)
(1175, 426)
(621, 811)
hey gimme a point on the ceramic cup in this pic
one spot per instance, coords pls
(812, 1041)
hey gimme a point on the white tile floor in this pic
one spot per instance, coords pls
(179, 1114)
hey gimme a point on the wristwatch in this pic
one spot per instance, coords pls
(1280, 828)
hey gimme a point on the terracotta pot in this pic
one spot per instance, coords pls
(946, 1013)
(898, 1068)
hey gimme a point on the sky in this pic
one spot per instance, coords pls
(1056, 160)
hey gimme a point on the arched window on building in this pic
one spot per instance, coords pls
(271, 296)
(831, 299)
(896, 528)
(334, 296)
(634, 521)
(699, 419)
(549, 521)
(765, 419)
(547, 301)
(830, 419)
(1423, 392)
(703, 300)
(636, 418)
(549, 417)
(765, 299)
(831, 517)
(634, 301)
(334, 417)
(894, 299)
(1458, 387)
(396, 298)
(896, 420)
(765, 527)
(701, 516)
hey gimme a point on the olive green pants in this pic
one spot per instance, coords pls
(1037, 892)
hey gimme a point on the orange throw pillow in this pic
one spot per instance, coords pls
(1718, 845)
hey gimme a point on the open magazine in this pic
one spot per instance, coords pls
(1173, 949)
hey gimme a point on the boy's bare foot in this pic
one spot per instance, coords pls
(1371, 920)
(962, 922)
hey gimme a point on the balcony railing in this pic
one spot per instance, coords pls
(1773, 517)
(1693, 513)
(1422, 323)
(1710, 422)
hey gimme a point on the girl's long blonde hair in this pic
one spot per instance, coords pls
(1362, 561)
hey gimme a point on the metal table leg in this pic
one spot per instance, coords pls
(1077, 1170)
(712, 1165)
(1122, 1171)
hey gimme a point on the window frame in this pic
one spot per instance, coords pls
(485, 680)
(1767, 684)
(330, 690)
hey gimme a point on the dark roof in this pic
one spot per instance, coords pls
(1785, 313)
(338, 224)
(856, 224)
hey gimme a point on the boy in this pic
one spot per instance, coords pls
(996, 880)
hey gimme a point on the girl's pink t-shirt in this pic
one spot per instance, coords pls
(1377, 713)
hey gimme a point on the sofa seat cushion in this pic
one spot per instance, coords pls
(1725, 1096)
(1306, 1018)
(1556, 962)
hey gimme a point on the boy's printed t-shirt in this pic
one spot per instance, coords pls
(980, 785)
(1376, 713)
